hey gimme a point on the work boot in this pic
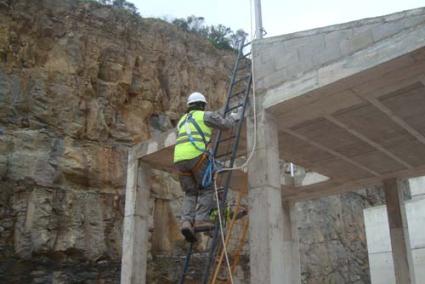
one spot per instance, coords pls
(187, 231)
(203, 225)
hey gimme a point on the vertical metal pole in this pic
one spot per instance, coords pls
(258, 20)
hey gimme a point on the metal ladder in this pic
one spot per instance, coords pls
(225, 148)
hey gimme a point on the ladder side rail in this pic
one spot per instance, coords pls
(237, 135)
(234, 150)
(229, 92)
(211, 254)
(234, 73)
(186, 264)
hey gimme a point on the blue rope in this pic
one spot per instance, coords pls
(207, 178)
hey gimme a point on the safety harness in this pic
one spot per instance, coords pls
(207, 176)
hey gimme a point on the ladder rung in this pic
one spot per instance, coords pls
(227, 139)
(220, 189)
(238, 93)
(233, 108)
(201, 230)
(223, 155)
(246, 55)
(241, 79)
(243, 66)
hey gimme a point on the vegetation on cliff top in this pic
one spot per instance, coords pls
(219, 36)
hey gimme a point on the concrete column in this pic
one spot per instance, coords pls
(400, 243)
(291, 243)
(266, 226)
(136, 225)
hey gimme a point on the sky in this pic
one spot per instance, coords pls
(279, 17)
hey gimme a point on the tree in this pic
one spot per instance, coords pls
(219, 36)
(131, 7)
(123, 4)
(120, 4)
(195, 24)
(181, 23)
(235, 38)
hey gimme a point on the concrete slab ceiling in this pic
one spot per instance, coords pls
(358, 118)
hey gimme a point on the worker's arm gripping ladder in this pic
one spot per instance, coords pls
(225, 149)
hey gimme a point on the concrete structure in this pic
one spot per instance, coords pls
(379, 241)
(399, 232)
(345, 101)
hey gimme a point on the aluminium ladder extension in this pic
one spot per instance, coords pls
(225, 150)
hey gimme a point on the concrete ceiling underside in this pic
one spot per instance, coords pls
(359, 130)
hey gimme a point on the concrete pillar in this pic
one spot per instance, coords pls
(291, 243)
(266, 226)
(136, 224)
(400, 243)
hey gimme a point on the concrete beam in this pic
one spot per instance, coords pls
(396, 119)
(400, 44)
(155, 144)
(268, 257)
(136, 224)
(400, 243)
(330, 151)
(368, 141)
(331, 187)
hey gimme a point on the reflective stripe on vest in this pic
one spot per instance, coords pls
(184, 149)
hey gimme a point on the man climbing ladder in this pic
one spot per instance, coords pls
(191, 159)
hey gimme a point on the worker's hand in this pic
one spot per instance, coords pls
(237, 114)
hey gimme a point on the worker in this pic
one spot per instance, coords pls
(194, 131)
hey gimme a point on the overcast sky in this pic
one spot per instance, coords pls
(279, 17)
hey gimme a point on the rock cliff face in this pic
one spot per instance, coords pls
(79, 84)
(332, 237)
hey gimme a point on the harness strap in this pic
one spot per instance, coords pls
(185, 140)
(207, 175)
(193, 133)
(198, 128)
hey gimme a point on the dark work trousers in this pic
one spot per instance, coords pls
(192, 210)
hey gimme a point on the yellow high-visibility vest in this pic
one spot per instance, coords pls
(184, 149)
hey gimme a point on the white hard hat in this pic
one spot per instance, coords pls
(196, 97)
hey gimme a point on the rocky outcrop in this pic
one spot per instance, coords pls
(332, 237)
(79, 84)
